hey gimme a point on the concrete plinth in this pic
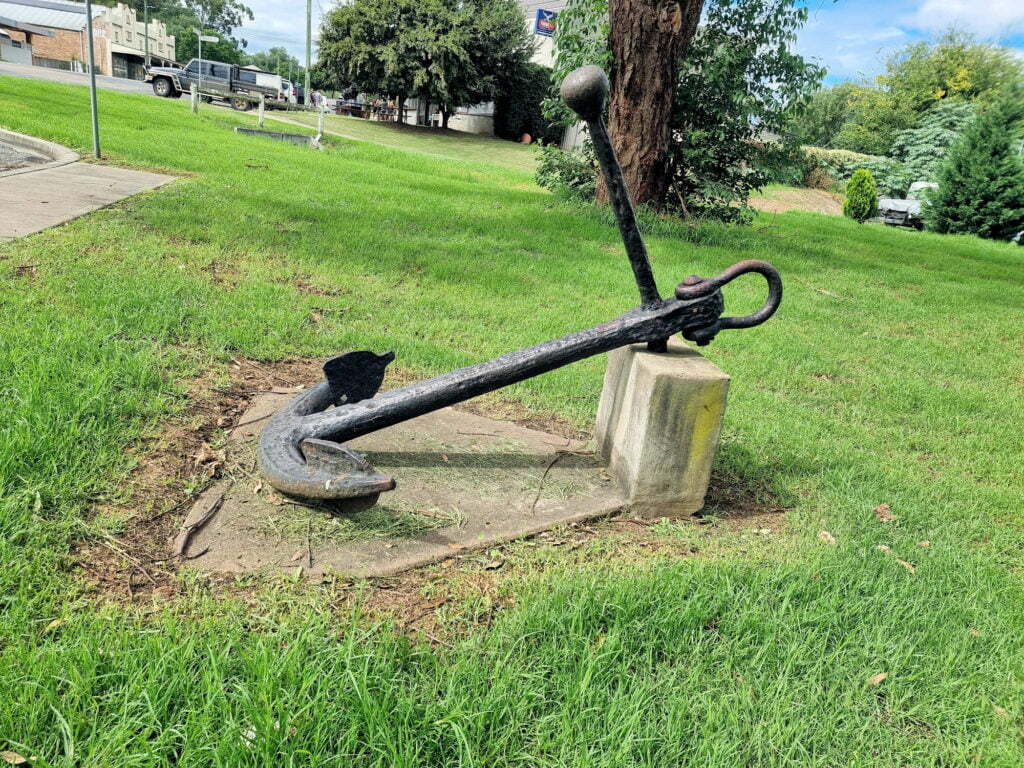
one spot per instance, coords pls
(658, 425)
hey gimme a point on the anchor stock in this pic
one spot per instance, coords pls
(301, 451)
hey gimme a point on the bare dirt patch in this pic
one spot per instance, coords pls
(795, 199)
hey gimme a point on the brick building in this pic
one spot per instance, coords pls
(51, 33)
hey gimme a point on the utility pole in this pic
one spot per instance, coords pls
(145, 14)
(309, 46)
(92, 82)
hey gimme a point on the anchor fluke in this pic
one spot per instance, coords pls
(356, 376)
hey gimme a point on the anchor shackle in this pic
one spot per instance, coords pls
(696, 287)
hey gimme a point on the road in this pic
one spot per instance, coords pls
(73, 78)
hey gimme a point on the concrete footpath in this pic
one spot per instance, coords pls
(34, 198)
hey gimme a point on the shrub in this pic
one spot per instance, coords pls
(981, 185)
(571, 173)
(518, 105)
(889, 174)
(861, 196)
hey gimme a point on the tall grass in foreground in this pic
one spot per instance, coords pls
(892, 374)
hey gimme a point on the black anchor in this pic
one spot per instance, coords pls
(301, 449)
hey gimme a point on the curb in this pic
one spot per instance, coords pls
(58, 154)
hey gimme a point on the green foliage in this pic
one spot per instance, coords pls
(573, 174)
(518, 106)
(448, 52)
(877, 117)
(981, 185)
(916, 79)
(581, 37)
(861, 196)
(956, 66)
(923, 149)
(827, 110)
(278, 61)
(840, 164)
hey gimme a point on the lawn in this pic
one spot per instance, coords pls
(892, 375)
(430, 141)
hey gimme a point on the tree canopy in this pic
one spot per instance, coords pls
(871, 115)
(447, 52)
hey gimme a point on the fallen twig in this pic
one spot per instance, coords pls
(264, 370)
(251, 421)
(192, 524)
(107, 541)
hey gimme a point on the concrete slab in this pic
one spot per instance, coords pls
(30, 202)
(464, 482)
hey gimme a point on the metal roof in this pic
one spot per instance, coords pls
(12, 24)
(48, 13)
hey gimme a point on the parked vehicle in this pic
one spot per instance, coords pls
(239, 86)
(289, 92)
(905, 212)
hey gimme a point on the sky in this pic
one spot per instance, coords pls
(850, 37)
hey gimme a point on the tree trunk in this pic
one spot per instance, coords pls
(648, 39)
(445, 114)
(400, 107)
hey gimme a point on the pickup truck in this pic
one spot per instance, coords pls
(239, 86)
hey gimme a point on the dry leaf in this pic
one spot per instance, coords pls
(53, 625)
(12, 758)
(444, 457)
(826, 537)
(299, 554)
(317, 317)
(1001, 712)
(455, 545)
(974, 632)
(494, 565)
(878, 679)
(909, 566)
(204, 454)
(884, 548)
(258, 488)
(276, 500)
(884, 513)
(924, 543)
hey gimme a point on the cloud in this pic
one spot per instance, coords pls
(993, 19)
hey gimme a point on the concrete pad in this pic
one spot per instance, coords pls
(464, 482)
(658, 425)
(31, 202)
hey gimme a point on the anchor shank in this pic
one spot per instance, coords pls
(618, 194)
(640, 325)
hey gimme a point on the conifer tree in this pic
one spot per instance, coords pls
(981, 185)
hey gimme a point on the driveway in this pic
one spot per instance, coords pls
(73, 78)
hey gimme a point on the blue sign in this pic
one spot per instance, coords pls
(545, 24)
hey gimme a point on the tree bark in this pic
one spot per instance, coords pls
(400, 107)
(648, 39)
(445, 114)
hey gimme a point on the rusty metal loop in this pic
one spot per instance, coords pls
(694, 289)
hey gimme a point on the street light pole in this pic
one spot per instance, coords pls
(309, 46)
(92, 82)
(145, 12)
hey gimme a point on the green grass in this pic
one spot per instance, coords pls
(450, 145)
(893, 373)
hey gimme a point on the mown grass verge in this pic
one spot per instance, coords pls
(892, 375)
